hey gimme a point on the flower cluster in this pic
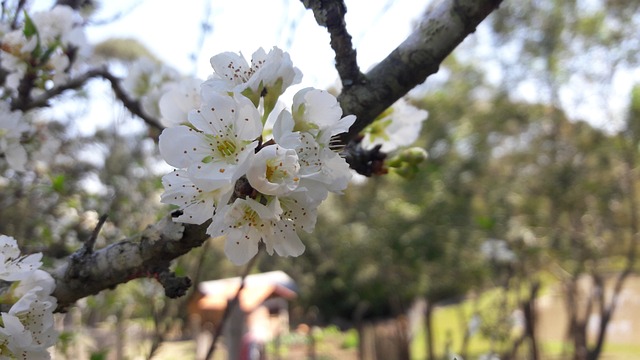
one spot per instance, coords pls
(43, 50)
(26, 329)
(147, 80)
(393, 131)
(399, 126)
(256, 184)
(12, 126)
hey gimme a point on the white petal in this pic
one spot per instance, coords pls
(175, 143)
(283, 131)
(240, 247)
(285, 240)
(248, 121)
(215, 114)
(16, 156)
(230, 67)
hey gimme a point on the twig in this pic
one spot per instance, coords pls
(115, 17)
(88, 245)
(230, 307)
(14, 23)
(330, 14)
(130, 104)
(79, 81)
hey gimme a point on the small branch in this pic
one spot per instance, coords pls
(132, 105)
(14, 23)
(115, 17)
(77, 82)
(230, 306)
(88, 245)
(439, 32)
(330, 14)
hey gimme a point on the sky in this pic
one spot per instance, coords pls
(173, 32)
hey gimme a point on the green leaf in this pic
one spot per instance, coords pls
(58, 183)
(30, 28)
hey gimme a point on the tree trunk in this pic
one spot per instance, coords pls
(428, 331)
(530, 320)
(234, 330)
(383, 340)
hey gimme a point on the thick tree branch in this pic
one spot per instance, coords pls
(420, 55)
(147, 254)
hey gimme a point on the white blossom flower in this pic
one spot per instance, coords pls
(318, 113)
(274, 170)
(13, 266)
(269, 75)
(28, 327)
(147, 81)
(225, 149)
(12, 126)
(43, 48)
(179, 99)
(246, 222)
(38, 281)
(300, 210)
(13, 58)
(26, 330)
(321, 169)
(197, 205)
(497, 250)
(398, 126)
(61, 23)
(216, 152)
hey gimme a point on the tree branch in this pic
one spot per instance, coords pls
(147, 254)
(79, 81)
(420, 55)
(330, 14)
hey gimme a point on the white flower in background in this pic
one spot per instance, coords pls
(217, 150)
(13, 58)
(274, 170)
(27, 329)
(497, 250)
(147, 81)
(42, 47)
(12, 126)
(399, 126)
(179, 99)
(268, 76)
(13, 266)
(246, 222)
(197, 205)
(61, 23)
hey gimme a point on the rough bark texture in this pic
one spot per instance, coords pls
(420, 55)
(149, 254)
